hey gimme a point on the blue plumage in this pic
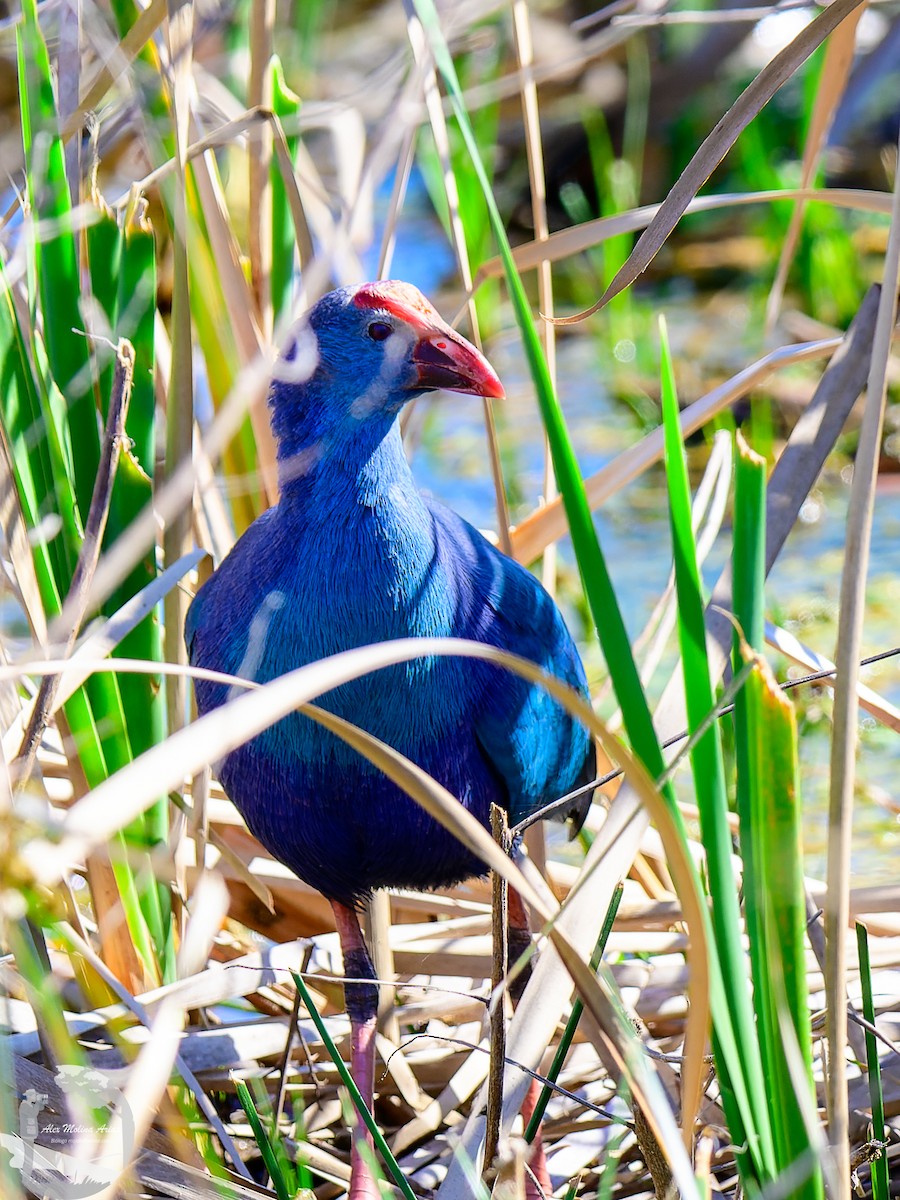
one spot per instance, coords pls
(354, 554)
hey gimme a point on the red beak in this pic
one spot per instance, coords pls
(444, 359)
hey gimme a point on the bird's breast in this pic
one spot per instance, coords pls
(304, 592)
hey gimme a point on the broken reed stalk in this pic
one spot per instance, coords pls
(499, 968)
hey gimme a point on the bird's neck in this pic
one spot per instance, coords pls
(340, 476)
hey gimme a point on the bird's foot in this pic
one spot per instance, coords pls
(537, 1176)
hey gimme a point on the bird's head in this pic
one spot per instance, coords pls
(356, 358)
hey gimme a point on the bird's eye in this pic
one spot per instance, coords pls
(379, 330)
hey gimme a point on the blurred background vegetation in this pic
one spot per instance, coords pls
(190, 177)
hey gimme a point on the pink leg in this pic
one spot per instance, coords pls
(362, 1007)
(519, 938)
(537, 1164)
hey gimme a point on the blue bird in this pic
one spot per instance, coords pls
(354, 554)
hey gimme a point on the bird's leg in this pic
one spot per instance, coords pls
(361, 999)
(537, 1183)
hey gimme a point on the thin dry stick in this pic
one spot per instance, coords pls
(815, 932)
(499, 968)
(438, 121)
(180, 411)
(575, 239)
(846, 702)
(75, 605)
(281, 1093)
(398, 194)
(378, 932)
(538, 187)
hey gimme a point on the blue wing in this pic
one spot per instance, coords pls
(535, 748)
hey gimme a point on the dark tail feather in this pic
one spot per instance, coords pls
(577, 814)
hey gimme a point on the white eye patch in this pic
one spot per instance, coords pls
(301, 356)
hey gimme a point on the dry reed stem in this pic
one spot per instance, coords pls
(832, 84)
(845, 732)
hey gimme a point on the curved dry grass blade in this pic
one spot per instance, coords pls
(114, 803)
(578, 238)
(104, 640)
(832, 83)
(612, 1023)
(148, 1078)
(845, 735)
(548, 523)
(716, 146)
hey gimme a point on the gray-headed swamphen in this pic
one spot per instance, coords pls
(353, 554)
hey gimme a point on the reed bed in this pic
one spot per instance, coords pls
(709, 1019)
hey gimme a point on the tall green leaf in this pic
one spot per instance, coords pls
(768, 810)
(71, 362)
(286, 106)
(708, 765)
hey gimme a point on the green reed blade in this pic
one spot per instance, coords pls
(748, 571)
(775, 811)
(276, 1164)
(143, 697)
(103, 258)
(286, 106)
(565, 1041)
(880, 1181)
(45, 488)
(769, 813)
(36, 446)
(30, 451)
(43, 988)
(598, 585)
(707, 760)
(361, 1107)
(595, 576)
